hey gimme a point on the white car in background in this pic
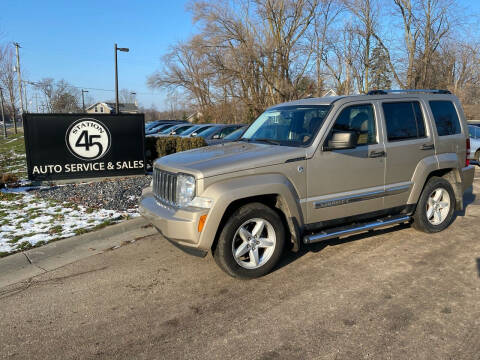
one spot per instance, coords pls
(474, 132)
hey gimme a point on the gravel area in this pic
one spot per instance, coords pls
(118, 194)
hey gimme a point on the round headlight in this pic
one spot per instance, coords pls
(185, 189)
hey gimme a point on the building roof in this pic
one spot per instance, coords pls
(122, 107)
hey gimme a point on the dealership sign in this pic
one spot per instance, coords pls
(68, 146)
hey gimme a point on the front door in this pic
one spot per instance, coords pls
(343, 183)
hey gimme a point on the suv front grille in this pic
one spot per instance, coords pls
(165, 186)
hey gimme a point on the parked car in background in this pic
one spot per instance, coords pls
(474, 132)
(233, 136)
(195, 129)
(150, 125)
(159, 128)
(176, 130)
(218, 132)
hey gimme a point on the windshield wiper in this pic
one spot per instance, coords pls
(268, 141)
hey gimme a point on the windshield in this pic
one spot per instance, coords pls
(209, 131)
(151, 125)
(191, 130)
(202, 130)
(156, 129)
(167, 129)
(181, 130)
(287, 125)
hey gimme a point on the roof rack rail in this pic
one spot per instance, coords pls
(409, 91)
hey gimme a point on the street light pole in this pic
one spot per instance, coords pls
(116, 76)
(83, 99)
(3, 116)
(17, 46)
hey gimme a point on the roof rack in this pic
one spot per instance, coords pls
(410, 91)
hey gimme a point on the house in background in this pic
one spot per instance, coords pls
(197, 115)
(109, 108)
(330, 92)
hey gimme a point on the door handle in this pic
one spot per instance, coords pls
(427, 147)
(376, 154)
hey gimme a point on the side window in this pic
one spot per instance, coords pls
(358, 118)
(404, 120)
(446, 118)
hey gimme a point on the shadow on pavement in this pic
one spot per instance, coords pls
(290, 256)
(469, 198)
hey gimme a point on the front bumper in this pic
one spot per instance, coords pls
(179, 226)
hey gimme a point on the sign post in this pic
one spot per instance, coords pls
(73, 146)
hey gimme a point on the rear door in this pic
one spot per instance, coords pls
(409, 140)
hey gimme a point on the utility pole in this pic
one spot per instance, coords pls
(116, 48)
(3, 116)
(83, 98)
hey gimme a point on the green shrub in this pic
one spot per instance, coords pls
(156, 147)
(166, 145)
(184, 144)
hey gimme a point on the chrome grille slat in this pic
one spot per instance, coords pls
(164, 186)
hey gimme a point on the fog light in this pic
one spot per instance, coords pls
(201, 222)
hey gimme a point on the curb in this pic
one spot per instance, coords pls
(22, 266)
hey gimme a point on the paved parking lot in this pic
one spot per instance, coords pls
(393, 294)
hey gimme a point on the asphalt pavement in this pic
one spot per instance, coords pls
(390, 294)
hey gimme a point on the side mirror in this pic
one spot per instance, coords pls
(216, 136)
(194, 134)
(342, 140)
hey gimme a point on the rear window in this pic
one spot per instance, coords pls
(404, 120)
(446, 118)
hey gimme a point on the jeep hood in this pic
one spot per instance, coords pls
(229, 157)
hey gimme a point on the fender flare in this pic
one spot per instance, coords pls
(226, 192)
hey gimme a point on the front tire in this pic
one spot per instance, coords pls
(435, 207)
(251, 242)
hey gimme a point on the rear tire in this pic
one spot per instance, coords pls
(435, 207)
(251, 242)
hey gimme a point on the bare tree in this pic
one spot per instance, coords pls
(250, 54)
(59, 96)
(9, 82)
(127, 96)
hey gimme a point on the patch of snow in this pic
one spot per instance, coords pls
(32, 219)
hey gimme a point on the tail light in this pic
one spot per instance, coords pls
(467, 157)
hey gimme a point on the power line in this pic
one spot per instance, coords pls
(37, 83)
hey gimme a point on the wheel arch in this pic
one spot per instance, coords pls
(452, 175)
(275, 191)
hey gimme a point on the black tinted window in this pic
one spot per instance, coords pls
(358, 118)
(446, 118)
(404, 120)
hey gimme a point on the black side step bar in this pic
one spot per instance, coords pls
(354, 229)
